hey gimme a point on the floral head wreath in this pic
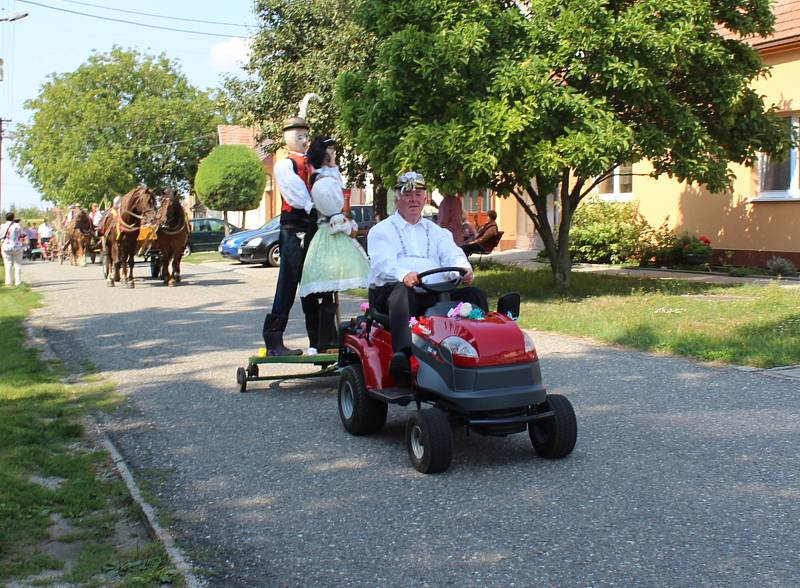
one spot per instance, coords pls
(410, 181)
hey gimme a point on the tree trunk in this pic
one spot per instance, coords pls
(379, 197)
(225, 222)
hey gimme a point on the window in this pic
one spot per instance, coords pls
(780, 178)
(477, 201)
(619, 184)
(216, 226)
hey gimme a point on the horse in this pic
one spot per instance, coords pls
(172, 235)
(79, 235)
(121, 232)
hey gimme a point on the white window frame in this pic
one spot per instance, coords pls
(616, 195)
(793, 193)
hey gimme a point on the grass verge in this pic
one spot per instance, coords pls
(62, 506)
(203, 257)
(741, 324)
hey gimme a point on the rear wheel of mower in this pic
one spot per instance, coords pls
(555, 437)
(429, 440)
(360, 414)
(241, 379)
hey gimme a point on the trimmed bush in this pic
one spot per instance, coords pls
(230, 178)
(608, 232)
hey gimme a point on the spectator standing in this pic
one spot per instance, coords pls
(45, 232)
(485, 235)
(450, 213)
(33, 236)
(12, 236)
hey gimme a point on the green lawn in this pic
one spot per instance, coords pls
(740, 324)
(202, 257)
(51, 473)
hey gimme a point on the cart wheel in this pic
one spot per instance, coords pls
(155, 267)
(360, 414)
(252, 370)
(555, 437)
(104, 262)
(241, 379)
(429, 440)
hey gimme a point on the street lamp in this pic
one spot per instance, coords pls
(16, 15)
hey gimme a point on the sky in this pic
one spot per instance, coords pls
(56, 41)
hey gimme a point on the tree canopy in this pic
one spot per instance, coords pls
(533, 96)
(121, 119)
(302, 46)
(230, 178)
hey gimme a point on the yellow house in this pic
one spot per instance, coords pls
(755, 221)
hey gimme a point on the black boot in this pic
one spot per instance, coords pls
(327, 327)
(274, 326)
(400, 369)
(311, 312)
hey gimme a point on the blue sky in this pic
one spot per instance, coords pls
(49, 41)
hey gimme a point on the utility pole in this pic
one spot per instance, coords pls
(2, 120)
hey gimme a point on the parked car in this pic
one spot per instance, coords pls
(365, 218)
(230, 245)
(262, 246)
(206, 234)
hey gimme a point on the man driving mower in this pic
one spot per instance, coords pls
(400, 248)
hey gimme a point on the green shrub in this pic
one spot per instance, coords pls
(608, 232)
(780, 266)
(663, 246)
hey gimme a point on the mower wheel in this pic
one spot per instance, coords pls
(360, 414)
(555, 437)
(429, 439)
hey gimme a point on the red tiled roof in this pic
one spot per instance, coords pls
(236, 135)
(787, 25)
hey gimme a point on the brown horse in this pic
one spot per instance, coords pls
(171, 236)
(121, 231)
(78, 235)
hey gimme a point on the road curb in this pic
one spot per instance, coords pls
(37, 340)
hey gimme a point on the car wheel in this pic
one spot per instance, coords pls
(187, 250)
(274, 255)
(429, 440)
(360, 414)
(554, 437)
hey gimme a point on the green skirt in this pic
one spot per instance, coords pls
(334, 263)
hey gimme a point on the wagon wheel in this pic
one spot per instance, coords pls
(241, 379)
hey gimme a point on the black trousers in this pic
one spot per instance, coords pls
(470, 248)
(401, 303)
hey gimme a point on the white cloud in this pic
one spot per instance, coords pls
(230, 54)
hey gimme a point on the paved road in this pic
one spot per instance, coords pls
(683, 475)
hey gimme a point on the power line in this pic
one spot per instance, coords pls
(131, 22)
(214, 22)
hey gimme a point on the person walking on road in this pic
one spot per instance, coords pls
(12, 236)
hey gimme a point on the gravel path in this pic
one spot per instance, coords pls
(684, 475)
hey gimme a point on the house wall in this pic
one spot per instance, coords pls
(741, 230)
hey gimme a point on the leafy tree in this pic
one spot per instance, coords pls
(119, 120)
(535, 96)
(301, 47)
(230, 178)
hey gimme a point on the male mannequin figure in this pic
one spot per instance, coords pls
(298, 219)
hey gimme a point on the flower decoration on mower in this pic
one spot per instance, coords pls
(466, 310)
(420, 326)
(364, 306)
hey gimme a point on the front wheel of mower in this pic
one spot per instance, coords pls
(554, 437)
(429, 440)
(360, 414)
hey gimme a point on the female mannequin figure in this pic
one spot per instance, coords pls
(334, 261)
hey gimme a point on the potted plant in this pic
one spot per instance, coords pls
(696, 250)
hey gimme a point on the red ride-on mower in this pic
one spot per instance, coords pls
(482, 374)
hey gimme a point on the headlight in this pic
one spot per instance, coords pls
(254, 242)
(530, 348)
(463, 353)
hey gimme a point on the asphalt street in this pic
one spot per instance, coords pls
(683, 474)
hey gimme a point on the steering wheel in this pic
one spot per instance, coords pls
(442, 287)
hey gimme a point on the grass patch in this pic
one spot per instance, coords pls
(49, 469)
(742, 324)
(203, 257)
